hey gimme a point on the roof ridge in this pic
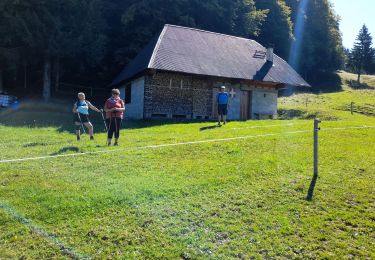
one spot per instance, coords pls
(200, 30)
(156, 48)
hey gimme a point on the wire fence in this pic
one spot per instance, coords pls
(364, 109)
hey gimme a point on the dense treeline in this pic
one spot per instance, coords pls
(87, 42)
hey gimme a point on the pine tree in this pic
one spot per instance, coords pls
(362, 54)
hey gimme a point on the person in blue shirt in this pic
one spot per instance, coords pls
(222, 108)
(81, 115)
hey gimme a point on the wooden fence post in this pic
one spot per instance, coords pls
(316, 129)
(307, 101)
(315, 177)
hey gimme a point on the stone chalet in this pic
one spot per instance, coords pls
(178, 74)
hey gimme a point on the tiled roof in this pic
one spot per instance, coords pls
(193, 51)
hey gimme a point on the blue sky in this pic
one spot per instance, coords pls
(355, 13)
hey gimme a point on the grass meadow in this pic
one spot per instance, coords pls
(242, 197)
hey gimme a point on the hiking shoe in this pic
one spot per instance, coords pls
(78, 138)
(115, 144)
(91, 138)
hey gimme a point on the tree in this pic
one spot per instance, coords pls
(362, 54)
(347, 55)
(247, 19)
(92, 41)
(293, 5)
(143, 19)
(321, 44)
(78, 33)
(277, 28)
(83, 41)
(9, 44)
(56, 29)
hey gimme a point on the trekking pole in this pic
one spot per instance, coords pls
(105, 123)
(116, 129)
(109, 125)
(79, 117)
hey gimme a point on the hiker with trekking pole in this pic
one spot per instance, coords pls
(81, 115)
(114, 108)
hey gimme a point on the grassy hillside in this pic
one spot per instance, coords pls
(240, 194)
(333, 106)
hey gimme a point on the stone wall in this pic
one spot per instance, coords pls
(177, 95)
(173, 95)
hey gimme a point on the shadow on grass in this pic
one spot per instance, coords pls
(39, 114)
(355, 85)
(290, 113)
(310, 192)
(66, 149)
(209, 127)
(35, 144)
(326, 82)
(62, 121)
(145, 123)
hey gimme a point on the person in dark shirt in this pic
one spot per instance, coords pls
(222, 107)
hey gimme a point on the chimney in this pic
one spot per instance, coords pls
(269, 55)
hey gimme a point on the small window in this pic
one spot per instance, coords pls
(128, 94)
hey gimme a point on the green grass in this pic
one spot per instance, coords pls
(235, 199)
(332, 106)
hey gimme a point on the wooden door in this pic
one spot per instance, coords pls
(244, 107)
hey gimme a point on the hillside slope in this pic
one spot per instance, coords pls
(335, 105)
